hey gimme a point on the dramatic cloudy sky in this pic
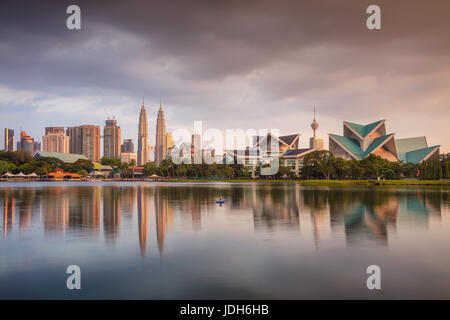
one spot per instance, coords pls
(233, 64)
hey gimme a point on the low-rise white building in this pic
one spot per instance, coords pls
(128, 156)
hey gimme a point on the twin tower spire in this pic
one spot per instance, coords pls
(143, 143)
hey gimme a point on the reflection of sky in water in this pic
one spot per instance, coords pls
(267, 241)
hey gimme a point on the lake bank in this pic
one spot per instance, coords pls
(311, 183)
(375, 182)
(329, 182)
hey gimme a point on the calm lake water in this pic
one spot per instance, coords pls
(268, 241)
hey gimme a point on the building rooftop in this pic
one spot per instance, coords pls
(410, 144)
(416, 156)
(350, 145)
(370, 138)
(65, 157)
(289, 139)
(363, 130)
(353, 147)
(295, 152)
(377, 143)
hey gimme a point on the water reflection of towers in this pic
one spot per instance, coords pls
(352, 214)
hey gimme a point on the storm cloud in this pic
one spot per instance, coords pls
(233, 64)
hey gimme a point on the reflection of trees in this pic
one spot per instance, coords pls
(433, 198)
(361, 213)
(274, 206)
(364, 212)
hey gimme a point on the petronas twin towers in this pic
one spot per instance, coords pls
(161, 146)
(142, 156)
(143, 146)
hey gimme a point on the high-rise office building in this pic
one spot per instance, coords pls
(26, 142)
(55, 140)
(85, 140)
(127, 146)
(161, 146)
(196, 148)
(91, 142)
(142, 137)
(75, 140)
(169, 144)
(54, 130)
(169, 140)
(111, 139)
(9, 140)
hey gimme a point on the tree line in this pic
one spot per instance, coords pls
(21, 161)
(323, 165)
(205, 171)
(316, 165)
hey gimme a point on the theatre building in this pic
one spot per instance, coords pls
(359, 141)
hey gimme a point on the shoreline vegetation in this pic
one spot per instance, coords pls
(306, 183)
(319, 168)
(329, 183)
(369, 183)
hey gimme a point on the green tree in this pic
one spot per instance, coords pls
(83, 172)
(446, 170)
(409, 170)
(41, 167)
(5, 167)
(247, 174)
(322, 162)
(124, 165)
(150, 168)
(80, 164)
(341, 168)
(168, 167)
(191, 172)
(53, 162)
(181, 170)
(26, 168)
(228, 171)
(110, 162)
(423, 171)
(16, 157)
(372, 166)
(356, 170)
(284, 172)
(238, 169)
